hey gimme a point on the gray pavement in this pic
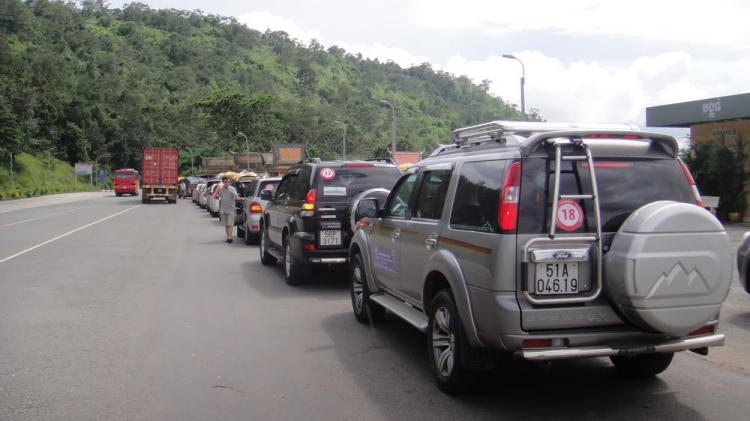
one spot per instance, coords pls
(53, 199)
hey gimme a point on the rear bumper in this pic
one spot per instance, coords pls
(337, 256)
(674, 345)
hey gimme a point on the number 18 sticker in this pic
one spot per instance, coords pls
(569, 215)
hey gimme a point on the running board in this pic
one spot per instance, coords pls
(277, 253)
(412, 316)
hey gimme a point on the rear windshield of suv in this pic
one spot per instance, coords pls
(623, 185)
(346, 182)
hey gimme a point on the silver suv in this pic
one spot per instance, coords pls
(545, 241)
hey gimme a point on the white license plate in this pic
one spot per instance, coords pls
(557, 278)
(329, 238)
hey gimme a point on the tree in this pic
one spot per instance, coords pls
(228, 113)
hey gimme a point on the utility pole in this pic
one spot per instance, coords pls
(393, 125)
(247, 149)
(523, 84)
(344, 137)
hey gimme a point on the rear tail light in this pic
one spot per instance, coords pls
(310, 200)
(308, 208)
(705, 330)
(606, 136)
(537, 343)
(507, 214)
(309, 247)
(358, 165)
(255, 207)
(698, 199)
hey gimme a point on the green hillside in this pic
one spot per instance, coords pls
(91, 83)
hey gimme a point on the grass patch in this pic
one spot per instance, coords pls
(38, 176)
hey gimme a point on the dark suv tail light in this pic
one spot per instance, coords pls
(308, 208)
(507, 214)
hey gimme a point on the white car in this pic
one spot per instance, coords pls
(213, 200)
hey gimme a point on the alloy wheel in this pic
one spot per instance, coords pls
(443, 342)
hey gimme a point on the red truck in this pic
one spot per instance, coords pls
(159, 174)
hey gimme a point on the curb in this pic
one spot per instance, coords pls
(105, 190)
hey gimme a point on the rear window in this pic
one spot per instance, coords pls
(124, 174)
(268, 185)
(346, 182)
(623, 185)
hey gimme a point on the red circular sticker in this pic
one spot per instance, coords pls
(569, 215)
(327, 173)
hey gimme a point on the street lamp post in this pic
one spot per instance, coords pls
(192, 170)
(344, 136)
(393, 125)
(523, 83)
(247, 149)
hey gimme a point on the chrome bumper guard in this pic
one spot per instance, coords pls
(607, 351)
(330, 260)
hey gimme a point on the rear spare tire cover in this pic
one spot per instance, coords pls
(669, 267)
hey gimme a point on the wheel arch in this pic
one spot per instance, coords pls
(444, 270)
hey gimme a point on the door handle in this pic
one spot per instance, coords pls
(430, 242)
(395, 234)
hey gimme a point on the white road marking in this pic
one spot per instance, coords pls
(46, 216)
(66, 234)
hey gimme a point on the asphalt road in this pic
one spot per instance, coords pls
(113, 310)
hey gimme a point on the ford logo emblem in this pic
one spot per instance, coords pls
(562, 255)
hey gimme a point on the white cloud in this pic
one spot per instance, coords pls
(265, 20)
(701, 21)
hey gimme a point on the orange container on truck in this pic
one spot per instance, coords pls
(159, 176)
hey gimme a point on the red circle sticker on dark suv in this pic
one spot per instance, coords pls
(569, 215)
(327, 173)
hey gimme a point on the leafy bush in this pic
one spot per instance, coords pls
(718, 167)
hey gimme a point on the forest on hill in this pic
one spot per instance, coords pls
(88, 83)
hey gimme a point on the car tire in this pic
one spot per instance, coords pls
(118, 194)
(290, 269)
(445, 339)
(266, 258)
(365, 311)
(644, 365)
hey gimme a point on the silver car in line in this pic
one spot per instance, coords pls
(253, 208)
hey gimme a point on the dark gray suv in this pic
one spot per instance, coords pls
(543, 242)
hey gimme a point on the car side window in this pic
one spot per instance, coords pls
(302, 185)
(477, 197)
(284, 187)
(432, 194)
(399, 203)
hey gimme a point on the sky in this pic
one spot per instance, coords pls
(584, 61)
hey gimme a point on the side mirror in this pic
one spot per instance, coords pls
(368, 208)
(265, 195)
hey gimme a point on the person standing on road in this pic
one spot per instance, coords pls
(227, 196)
